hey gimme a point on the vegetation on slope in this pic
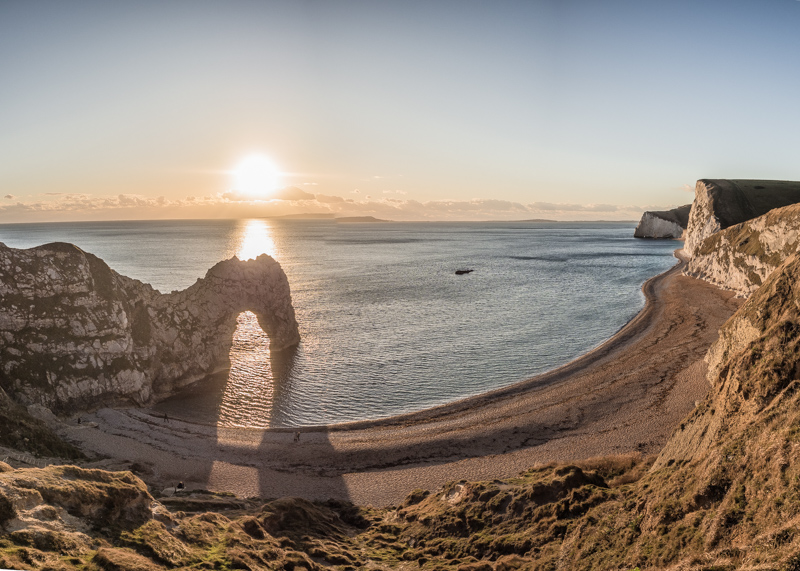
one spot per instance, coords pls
(21, 431)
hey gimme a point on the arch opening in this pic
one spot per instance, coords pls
(249, 396)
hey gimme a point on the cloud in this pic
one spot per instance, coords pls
(293, 200)
(688, 187)
(77, 203)
(292, 193)
(9, 196)
(328, 199)
(289, 193)
(560, 207)
(310, 184)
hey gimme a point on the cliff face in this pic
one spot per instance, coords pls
(720, 203)
(74, 333)
(740, 258)
(663, 224)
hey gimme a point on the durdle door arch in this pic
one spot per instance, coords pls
(76, 334)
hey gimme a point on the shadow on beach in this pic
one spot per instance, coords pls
(268, 463)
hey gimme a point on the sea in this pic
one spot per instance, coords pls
(387, 325)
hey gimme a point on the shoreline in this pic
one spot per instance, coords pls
(629, 330)
(636, 324)
(625, 396)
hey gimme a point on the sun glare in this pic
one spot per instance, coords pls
(254, 239)
(256, 176)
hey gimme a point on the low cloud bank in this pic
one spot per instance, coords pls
(293, 200)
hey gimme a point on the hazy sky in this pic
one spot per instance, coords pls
(397, 109)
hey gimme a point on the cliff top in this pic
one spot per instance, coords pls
(737, 200)
(679, 215)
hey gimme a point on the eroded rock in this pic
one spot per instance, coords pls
(76, 334)
(741, 257)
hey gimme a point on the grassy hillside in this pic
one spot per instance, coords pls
(21, 431)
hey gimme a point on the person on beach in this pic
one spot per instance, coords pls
(297, 437)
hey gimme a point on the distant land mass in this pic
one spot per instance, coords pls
(574, 221)
(360, 219)
(351, 219)
(327, 216)
(304, 216)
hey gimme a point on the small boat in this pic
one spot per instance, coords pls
(462, 272)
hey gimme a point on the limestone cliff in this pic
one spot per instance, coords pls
(663, 223)
(740, 258)
(74, 333)
(720, 203)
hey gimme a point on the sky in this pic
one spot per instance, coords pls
(403, 110)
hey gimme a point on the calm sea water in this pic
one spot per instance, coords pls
(387, 325)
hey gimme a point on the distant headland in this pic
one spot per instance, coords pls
(327, 216)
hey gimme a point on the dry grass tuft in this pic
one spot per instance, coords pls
(115, 559)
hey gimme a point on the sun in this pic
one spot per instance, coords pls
(256, 176)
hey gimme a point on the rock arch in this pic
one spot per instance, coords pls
(76, 334)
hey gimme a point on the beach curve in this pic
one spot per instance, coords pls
(626, 395)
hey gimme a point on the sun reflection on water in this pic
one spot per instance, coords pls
(255, 238)
(249, 394)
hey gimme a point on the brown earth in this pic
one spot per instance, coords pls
(628, 395)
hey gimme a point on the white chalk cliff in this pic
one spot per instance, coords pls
(668, 224)
(742, 257)
(76, 334)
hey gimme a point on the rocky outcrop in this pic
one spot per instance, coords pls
(50, 501)
(68, 518)
(19, 429)
(663, 223)
(76, 334)
(719, 204)
(740, 258)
